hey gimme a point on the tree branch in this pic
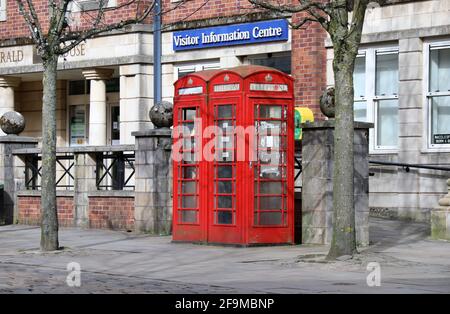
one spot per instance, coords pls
(78, 37)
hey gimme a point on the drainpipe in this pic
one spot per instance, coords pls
(157, 85)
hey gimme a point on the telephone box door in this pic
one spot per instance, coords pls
(269, 174)
(225, 208)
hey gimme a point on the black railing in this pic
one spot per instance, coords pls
(33, 171)
(407, 167)
(297, 166)
(115, 171)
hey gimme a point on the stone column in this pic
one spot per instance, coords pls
(440, 218)
(85, 167)
(317, 186)
(411, 124)
(153, 193)
(97, 108)
(7, 86)
(136, 99)
(12, 174)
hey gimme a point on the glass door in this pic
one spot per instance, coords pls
(270, 167)
(224, 214)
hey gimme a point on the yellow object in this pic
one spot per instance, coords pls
(301, 115)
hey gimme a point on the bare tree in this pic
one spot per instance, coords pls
(343, 20)
(52, 41)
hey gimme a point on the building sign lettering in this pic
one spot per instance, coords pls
(11, 56)
(441, 138)
(269, 87)
(238, 34)
(77, 51)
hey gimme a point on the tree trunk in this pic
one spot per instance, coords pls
(49, 214)
(343, 241)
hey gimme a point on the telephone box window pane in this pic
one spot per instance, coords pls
(189, 202)
(189, 143)
(224, 202)
(387, 122)
(224, 217)
(224, 111)
(189, 156)
(270, 188)
(189, 216)
(224, 186)
(189, 172)
(270, 112)
(224, 172)
(188, 129)
(188, 187)
(270, 172)
(440, 119)
(269, 218)
(270, 202)
(224, 156)
(440, 70)
(226, 126)
(189, 113)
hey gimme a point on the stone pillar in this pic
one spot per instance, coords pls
(7, 86)
(440, 218)
(411, 124)
(153, 192)
(12, 174)
(97, 108)
(85, 182)
(136, 99)
(317, 186)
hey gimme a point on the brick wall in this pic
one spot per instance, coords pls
(111, 213)
(115, 213)
(30, 210)
(14, 27)
(309, 62)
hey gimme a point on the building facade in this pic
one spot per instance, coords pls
(402, 86)
(105, 85)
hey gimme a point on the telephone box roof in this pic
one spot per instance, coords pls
(243, 71)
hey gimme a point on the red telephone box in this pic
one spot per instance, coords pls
(233, 157)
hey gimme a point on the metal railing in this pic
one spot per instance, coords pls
(115, 171)
(33, 171)
(407, 167)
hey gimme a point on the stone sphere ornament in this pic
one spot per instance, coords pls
(161, 114)
(12, 122)
(327, 104)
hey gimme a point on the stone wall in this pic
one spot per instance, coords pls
(317, 188)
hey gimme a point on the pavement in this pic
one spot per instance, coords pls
(120, 262)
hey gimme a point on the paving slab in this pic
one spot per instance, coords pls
(120, 262)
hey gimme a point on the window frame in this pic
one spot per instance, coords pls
(370, 97)
(193, 67)
(3, 14)
(77, 5)
(429, 95)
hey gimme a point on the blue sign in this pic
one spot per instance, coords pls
(237, 34)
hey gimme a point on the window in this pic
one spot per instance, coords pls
(439, 95)
(386, 99)
(185, 69)
(376, 95)
(2, 10)
(279, 61)
(87, 5)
